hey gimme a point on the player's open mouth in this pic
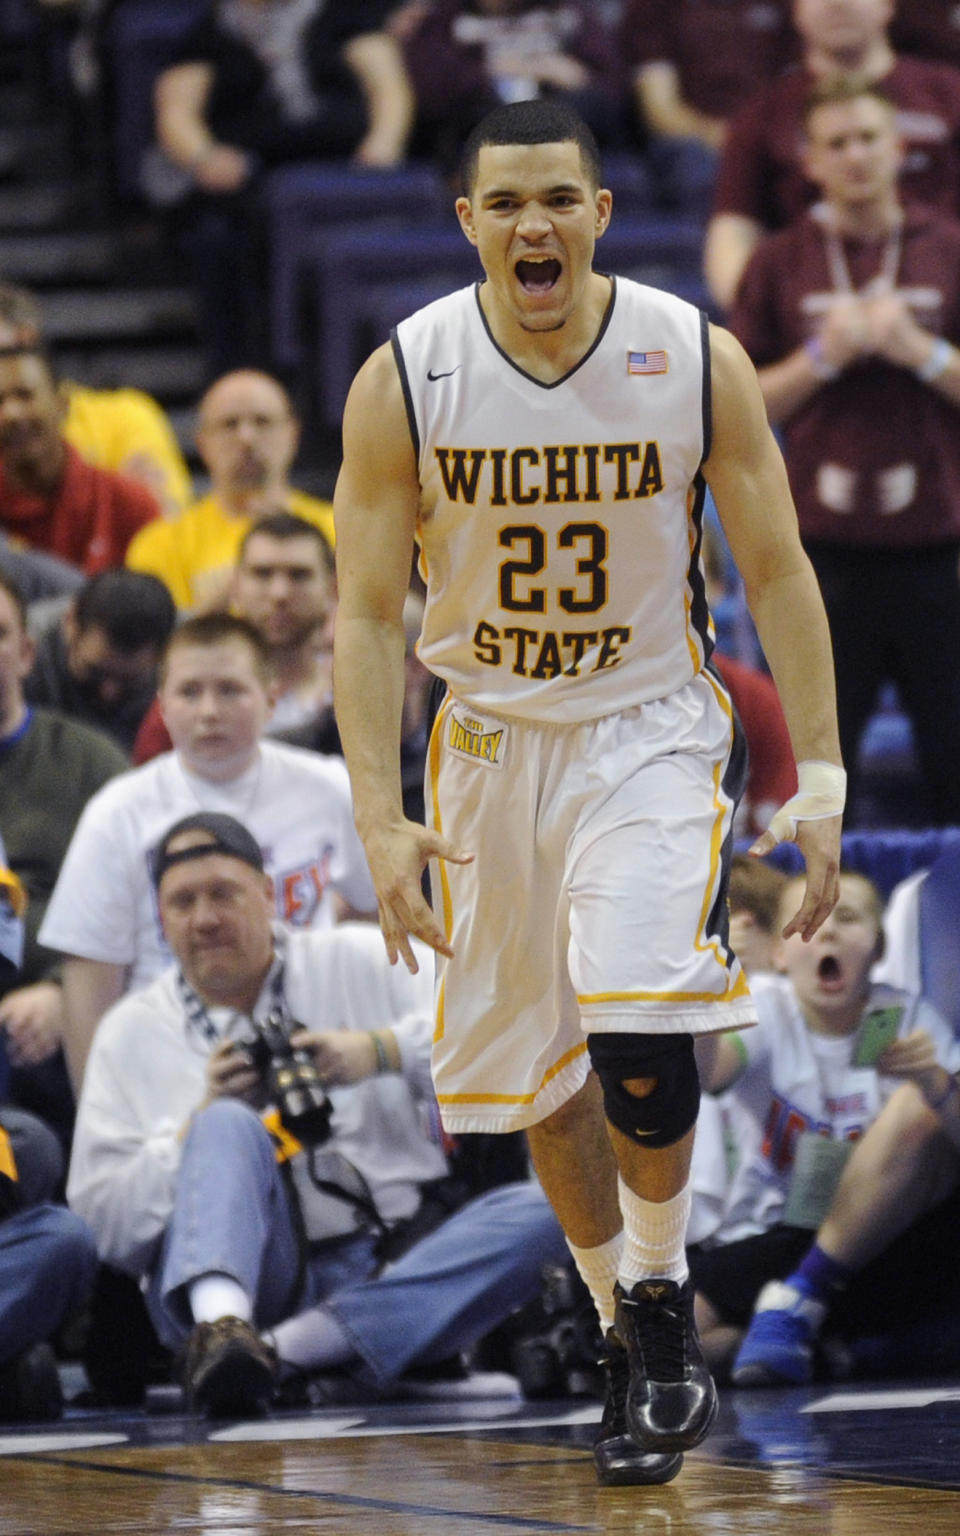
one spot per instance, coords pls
(829, 972)
(538, 274)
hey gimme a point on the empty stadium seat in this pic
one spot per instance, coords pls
(139, 40)
(939, 923)
(341, 265)
(304, 200)
(884, 857)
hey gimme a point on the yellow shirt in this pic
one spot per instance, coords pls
(127, 431)
(12, 891)
(192, 552)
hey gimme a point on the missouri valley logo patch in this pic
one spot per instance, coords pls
(479, 741)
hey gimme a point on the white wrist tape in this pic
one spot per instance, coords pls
(821, 792)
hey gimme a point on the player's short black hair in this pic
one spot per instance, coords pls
(133, 608)
(530, 122)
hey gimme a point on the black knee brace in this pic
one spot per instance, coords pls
(669, 1111)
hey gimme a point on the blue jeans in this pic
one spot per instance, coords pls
(232, 1217)
(456, 1284)
(47, 1263)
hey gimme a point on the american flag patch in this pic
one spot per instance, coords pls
(647, 362)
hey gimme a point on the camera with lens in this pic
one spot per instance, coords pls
(290, 1077)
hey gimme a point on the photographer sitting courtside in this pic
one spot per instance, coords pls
(181, 1175)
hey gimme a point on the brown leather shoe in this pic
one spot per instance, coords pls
(229, 1373)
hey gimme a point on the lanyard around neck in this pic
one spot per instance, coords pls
(198, 1014)
(885, 280)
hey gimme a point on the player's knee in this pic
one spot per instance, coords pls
(651, 1088)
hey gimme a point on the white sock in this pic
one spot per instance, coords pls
(213, 1296)
(778, 1296)
(598, 1269)
(655, 1237)
(313, 1339)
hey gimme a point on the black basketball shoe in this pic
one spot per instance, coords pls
(671, 1399)
(618, 1459)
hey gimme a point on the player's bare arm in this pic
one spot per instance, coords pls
(748, 478)
(375, 507)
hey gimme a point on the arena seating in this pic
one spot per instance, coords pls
(342, 265)
(302, 202)
(887, 857)
(139, 38)
(940, 931)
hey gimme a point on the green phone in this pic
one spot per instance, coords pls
(878, 1030)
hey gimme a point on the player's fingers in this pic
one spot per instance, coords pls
(400, 918)
(438, 847)
(407, 955)
(423, 925)
(765, 843)
(819, 901)
(388, 930)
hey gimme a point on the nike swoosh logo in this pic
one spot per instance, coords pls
(433, 377)
(638, 1132)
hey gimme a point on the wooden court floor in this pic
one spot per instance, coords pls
(862, 1461)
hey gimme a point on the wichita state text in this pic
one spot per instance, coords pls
(524, 477)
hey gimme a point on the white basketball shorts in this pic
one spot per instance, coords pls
(596, 899)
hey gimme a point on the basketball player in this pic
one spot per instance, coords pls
(546, 438)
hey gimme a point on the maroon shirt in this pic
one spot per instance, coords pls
(761, 175)
(721, 49)
(874, 455)
(930, 28)
(447, 71)
(89, 520)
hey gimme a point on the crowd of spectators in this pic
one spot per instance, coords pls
(178, 852)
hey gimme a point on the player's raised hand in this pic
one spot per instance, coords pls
(397, 855)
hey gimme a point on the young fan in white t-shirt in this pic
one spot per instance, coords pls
(830, 1051)
(216, 696)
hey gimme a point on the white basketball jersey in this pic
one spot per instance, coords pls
(560, 524)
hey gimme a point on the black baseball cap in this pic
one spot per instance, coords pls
(226, 834)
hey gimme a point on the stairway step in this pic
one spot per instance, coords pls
(168, 373)
(59, 256)
(117, 314)
(45, 205)
(183, 420)
(35, 151)
(17, 102)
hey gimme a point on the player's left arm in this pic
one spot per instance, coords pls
(748, 478)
